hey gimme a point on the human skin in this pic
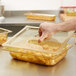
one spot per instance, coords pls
(48, 29)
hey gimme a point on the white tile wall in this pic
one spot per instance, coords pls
(31, 4)
(36, 4)
(68, 3)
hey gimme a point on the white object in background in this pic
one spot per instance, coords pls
(1, 19)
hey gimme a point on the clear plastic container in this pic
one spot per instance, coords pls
(3, 35)
(24, 46)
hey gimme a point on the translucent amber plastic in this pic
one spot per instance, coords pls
(3, 38)
(40, 17)
(24, 46)
(39, 57)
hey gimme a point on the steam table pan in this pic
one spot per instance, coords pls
(38, 16)
(3, 35)
(24, 46)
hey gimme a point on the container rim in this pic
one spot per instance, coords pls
(5, 30)
(40, 14)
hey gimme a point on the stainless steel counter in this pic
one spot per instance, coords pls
(17, 17)
(10, 67)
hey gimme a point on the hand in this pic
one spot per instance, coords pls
(46, 30)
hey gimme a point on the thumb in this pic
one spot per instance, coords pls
(43, 36)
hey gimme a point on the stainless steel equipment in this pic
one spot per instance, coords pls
(1, 9)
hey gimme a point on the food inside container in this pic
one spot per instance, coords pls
(24, 46)
(47, 17)
(3, 35)
(69, 11)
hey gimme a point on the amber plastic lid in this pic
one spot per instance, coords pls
(28, 37)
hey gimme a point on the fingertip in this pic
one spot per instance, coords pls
(39, 41)
(40, 32)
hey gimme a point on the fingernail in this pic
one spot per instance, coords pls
(39, 41)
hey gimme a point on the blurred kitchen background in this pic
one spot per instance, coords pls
(12, 11)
